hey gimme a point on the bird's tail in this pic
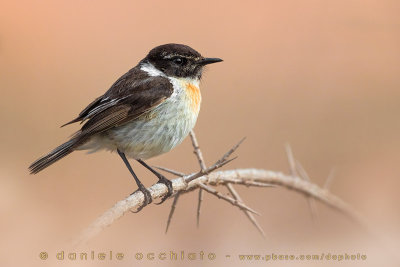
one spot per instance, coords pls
(55, 155)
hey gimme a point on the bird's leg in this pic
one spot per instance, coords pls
(142, 188)
(161, 179)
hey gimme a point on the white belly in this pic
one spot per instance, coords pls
(155, 132)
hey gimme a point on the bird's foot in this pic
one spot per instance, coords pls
(147, 198)
(168, 184)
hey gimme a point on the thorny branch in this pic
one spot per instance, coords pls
(230, 187)
(206, 178)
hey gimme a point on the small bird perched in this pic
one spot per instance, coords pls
(146, 112)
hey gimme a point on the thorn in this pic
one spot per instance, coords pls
(329, 179)
(233, 149)
(291, 160)
(234, 202)
(179, 174)
(200, 200)
(311, 201)
(250, 216)
(171, 212)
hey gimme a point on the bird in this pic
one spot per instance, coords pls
(147, 112)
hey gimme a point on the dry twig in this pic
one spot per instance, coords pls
(206, 178)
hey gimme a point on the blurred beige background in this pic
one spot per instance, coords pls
(321, 75)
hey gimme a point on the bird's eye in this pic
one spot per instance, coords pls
(179, 60)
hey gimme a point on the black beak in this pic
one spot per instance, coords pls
(208, 60)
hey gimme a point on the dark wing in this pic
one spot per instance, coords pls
(129, 97)
(84, 113)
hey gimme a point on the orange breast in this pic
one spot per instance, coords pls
(194, 95)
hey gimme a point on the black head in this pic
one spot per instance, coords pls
(178, 60)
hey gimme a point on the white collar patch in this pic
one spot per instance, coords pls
(151, 70)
